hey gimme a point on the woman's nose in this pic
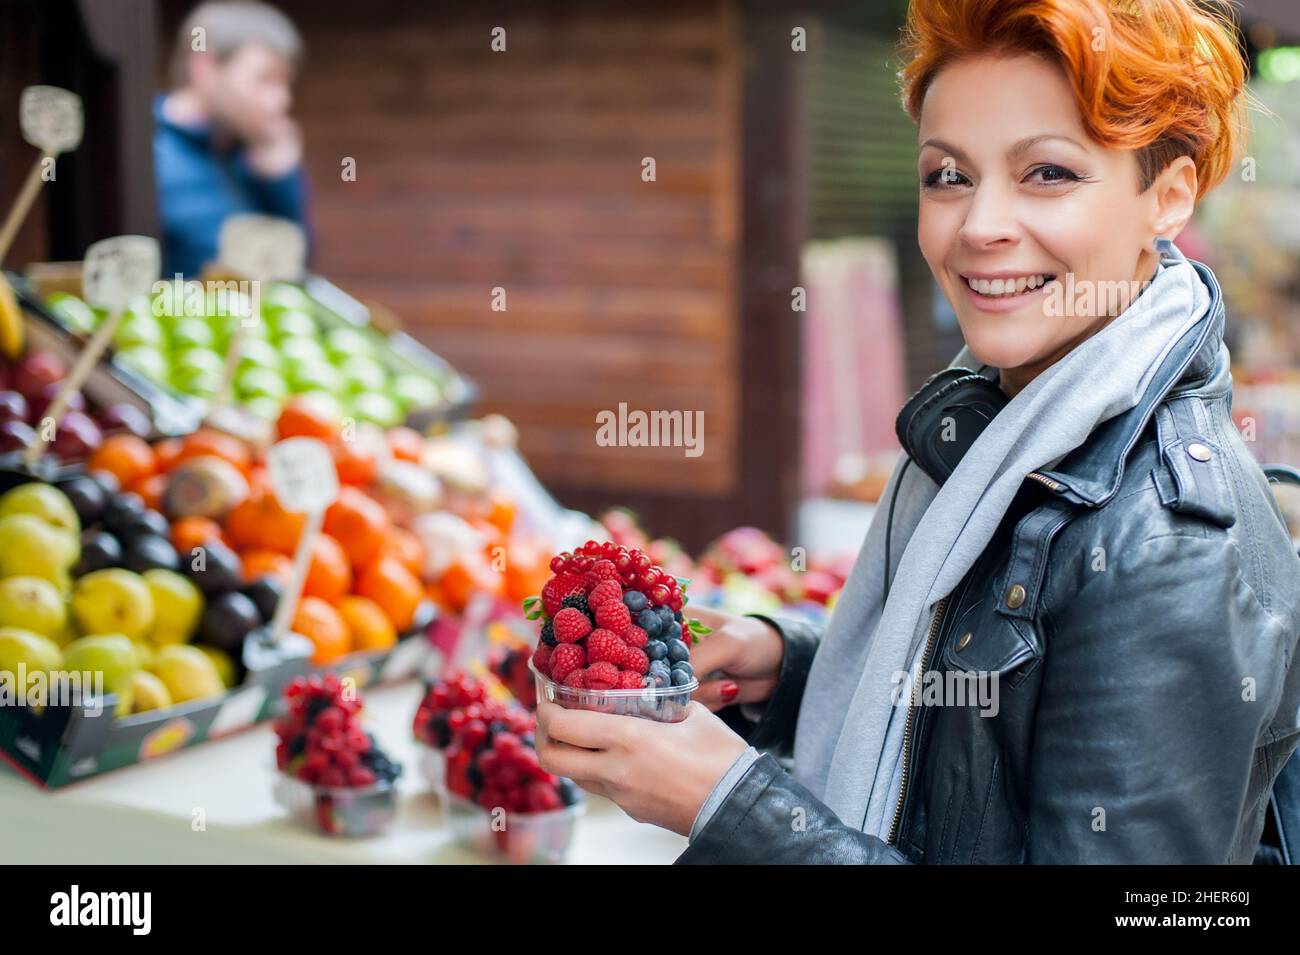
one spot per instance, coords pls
(990, 220)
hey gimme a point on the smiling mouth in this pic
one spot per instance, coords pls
(1008, 287)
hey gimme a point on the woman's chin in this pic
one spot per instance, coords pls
(1002, 351)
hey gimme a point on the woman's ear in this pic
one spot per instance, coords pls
(1174, 192)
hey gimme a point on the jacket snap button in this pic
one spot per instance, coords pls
(1015, 596)
(964, 641)
(1199, 451)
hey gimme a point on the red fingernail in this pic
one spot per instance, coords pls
(728, 691)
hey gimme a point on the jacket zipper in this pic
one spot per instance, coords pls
(911, 716)
(1044, 479)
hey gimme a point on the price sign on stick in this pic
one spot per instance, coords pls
(261, 249)
(114, 272)
(304, 481)
(51, 120)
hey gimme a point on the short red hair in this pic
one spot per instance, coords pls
(1162, 77)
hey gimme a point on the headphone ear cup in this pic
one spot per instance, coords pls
(938, 424)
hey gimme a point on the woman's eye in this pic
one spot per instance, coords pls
(1051, 173)
(944, 176)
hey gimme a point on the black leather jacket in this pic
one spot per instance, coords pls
(1140, 606)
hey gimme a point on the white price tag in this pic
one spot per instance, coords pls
(120, 269)
(302, 474)
(51, 118)
(263, 248)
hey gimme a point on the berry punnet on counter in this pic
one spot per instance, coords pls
(612, 620)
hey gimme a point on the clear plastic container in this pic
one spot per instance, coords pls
(338, 810)
(518, 837)
(432, 763)
(666, 705)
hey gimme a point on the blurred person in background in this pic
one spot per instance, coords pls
(224, 142)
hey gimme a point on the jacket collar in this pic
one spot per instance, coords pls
(1091, 474)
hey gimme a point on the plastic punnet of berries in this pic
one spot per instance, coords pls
(332, 772)
(613, 636)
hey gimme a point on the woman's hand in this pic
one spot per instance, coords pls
(738, 662)
(659, 773)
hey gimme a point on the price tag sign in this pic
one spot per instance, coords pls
(263, 248)
(120, 269)
(302, 475)
(51, 118)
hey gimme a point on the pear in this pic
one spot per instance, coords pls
(222, 661)
(111, 655)
(144, 691)
(35, 604)
(113, 601)
(178, 606)
(31, 649)
(44, 501)
(31, 547)
(187, 672)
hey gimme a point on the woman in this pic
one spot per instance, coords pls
(1105, 570)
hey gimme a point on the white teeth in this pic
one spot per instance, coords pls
(1008, 286)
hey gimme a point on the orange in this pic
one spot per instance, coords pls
(501, 513)
(167, 452)
(151, 488)
(406, 547)
(191, 532)
(358, 522)
(300, 418)
(210, 441)
(126, 457)
(356, 462)
(329, 576)
(370, 626)
(259, 522)
(405, 444)
(266, 563)
(470, 574)
(388, 583)
(323, 626)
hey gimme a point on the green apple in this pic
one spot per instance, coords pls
(363, 374)
(30, 547)
(37, 653)
(347, 342)
(377, 408)
(314, 376)
(73, 312)
(113, 601)
(415, 391)
(138, 329)
(178, 606)
(282, 297)
(147, 360)
(260, 383)
(190, 333)
(294, 324)
(34, 604)
(187, 672)
(44, 501)
(295, 351)
(259, 353)
(268, 409)
(110, 654)
(197, 370)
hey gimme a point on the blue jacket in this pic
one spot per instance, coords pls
(199, 186)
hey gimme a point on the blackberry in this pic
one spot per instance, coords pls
(439, 730)
(578, 602)
(548, 634)
(297, 744)
(474, 776)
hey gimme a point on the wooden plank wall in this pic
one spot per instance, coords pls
(522, 170)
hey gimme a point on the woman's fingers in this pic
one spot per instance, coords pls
(584, 766)
(716, 619)
(716, 694)
(714, 652)
(584, 728)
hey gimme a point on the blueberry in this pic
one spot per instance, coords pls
(650, 622)
(568, 791)
(659, 666)
(656, 649)
(680, 678)
(648, 681)
(635, 601)
(660, 678)
(684, 666)
(674, 631)
(665, 614)
(677, 652)
(677, 615)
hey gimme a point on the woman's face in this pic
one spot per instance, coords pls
(1021, 213)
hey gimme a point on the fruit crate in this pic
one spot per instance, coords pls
(109, 384)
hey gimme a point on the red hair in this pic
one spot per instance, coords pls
(1162, 77)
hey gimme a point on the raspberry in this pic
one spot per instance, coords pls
(629, 680)
(542, 658)
(604, 645)
(634, 636)
(604, 569)
(571, 625)
(576, 679)
(602, 675)
(605, 591)
(613, 616)
(558, 587)
(565, 659)
(636, 660)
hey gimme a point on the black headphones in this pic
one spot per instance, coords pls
(938, 425)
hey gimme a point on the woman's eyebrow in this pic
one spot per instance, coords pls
(1017, 149)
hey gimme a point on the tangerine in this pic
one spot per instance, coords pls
(406, 547)
(358, 522)
(329, 575)
(266, 563)
(324, 627)
(151, 489)
(218, 443)
(405, 444)
(301, 418)
(125, 456)
(356, 462)
(370, 626)
(259, 522)
(388, 583)
(191, 532)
